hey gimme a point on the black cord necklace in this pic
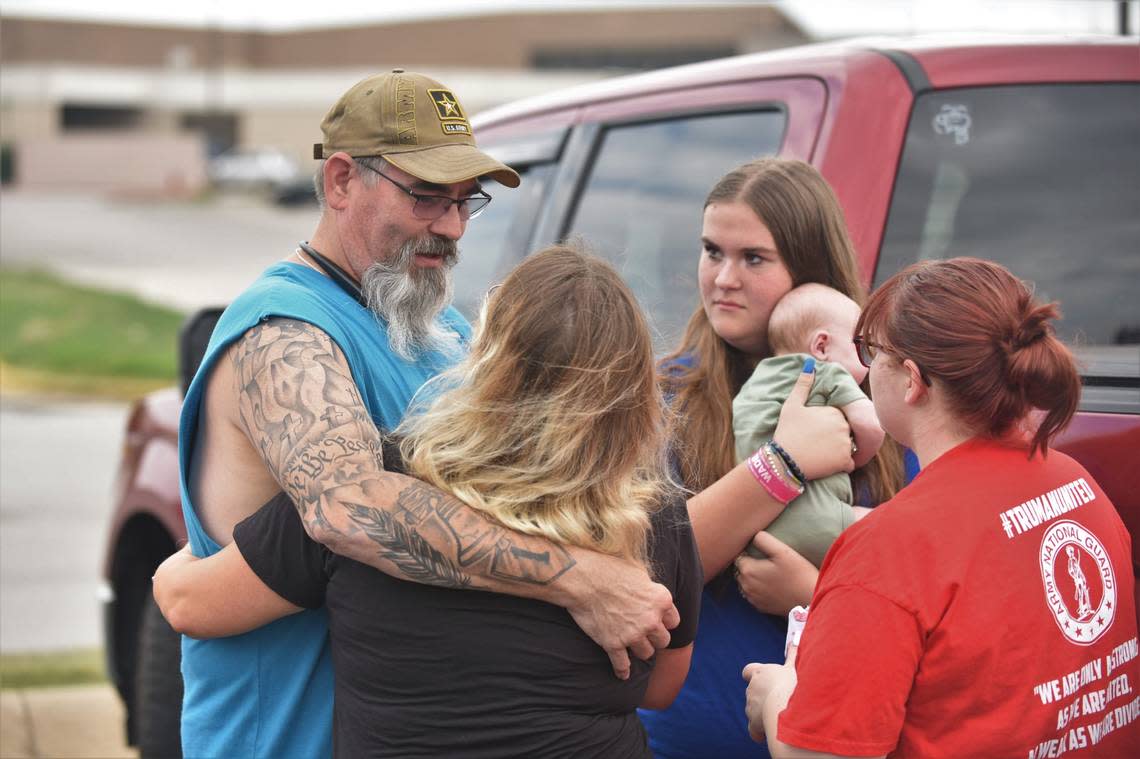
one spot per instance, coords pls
(336, 274)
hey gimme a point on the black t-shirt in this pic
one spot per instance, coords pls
(428, 671)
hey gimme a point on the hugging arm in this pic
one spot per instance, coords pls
(271, 569)
(669, 673)
(300, 408)
(215, 597)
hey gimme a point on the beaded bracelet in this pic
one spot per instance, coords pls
(787, 457)
(763, 467)
(778, 466)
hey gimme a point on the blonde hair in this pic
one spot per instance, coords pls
(704, 373)
(801, 312)
(554, 424)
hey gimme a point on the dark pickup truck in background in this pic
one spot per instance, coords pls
(1026, 152)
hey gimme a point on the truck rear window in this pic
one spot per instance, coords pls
(1044, 179)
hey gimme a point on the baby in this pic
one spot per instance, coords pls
(817, 321)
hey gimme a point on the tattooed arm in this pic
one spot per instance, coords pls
(300, 408)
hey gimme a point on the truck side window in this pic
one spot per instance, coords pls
(641, 204)
(496, 239)
(1044, 180)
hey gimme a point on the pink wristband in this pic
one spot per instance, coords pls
(770, 480)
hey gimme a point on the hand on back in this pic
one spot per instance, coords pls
(624, 611)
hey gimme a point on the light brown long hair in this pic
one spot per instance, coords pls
(704, 373)
(978, 330)
(554, 423)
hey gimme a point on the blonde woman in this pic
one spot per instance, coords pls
(553, 426)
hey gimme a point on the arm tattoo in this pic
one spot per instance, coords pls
(300, 407)
(423, 563)
(482, 543)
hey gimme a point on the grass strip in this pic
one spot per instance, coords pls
(78, 667)
(56, 336)
(18, 381)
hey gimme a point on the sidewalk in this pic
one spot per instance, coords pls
(62, 723)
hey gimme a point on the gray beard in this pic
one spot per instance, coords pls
(410, 298)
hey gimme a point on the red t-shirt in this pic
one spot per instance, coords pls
(987, 610)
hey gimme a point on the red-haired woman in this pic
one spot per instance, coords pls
(988, 609)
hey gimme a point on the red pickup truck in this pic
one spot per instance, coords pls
(1023, 151)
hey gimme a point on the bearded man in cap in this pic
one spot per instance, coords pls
(323, 349)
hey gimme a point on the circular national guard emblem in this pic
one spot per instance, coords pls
(1080, 587)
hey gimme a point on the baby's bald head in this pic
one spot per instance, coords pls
(809, 311)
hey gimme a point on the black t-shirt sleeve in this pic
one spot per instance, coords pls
(677, 565)
(279, 551)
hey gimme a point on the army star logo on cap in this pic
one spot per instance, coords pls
(450, 112)
(446, 105)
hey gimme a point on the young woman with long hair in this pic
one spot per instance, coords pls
(808, 243)
(768, 226)
(553, 426)
(989, 608)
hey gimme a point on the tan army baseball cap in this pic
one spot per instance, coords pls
(415, 123)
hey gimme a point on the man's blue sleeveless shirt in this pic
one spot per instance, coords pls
(269, 693)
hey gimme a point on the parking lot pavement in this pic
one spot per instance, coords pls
(53, 526)
(62, 723)
(185, 255)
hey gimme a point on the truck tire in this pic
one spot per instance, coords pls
(158, 686)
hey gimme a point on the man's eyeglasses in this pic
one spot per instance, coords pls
(867, 350)
(435, 206)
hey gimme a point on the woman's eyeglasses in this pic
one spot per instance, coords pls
(867, 350)
(435, 206)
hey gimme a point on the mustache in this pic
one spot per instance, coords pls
(434, 246)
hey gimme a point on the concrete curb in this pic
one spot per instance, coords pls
(67, 722)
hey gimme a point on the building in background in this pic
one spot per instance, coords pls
(141, 108)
